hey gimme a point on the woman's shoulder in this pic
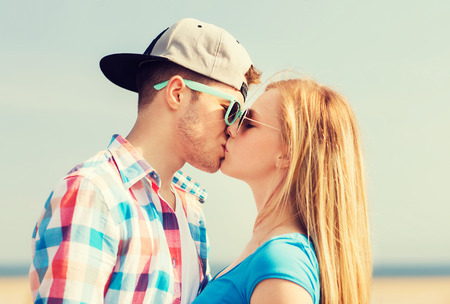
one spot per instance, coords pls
(290, 257)
(286, 249)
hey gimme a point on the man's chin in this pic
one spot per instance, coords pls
(209, 168)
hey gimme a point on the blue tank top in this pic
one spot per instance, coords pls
(289, 256)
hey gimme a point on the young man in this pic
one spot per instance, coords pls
(125, 226)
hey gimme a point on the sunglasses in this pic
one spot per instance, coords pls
(244, 117)
(233, 110)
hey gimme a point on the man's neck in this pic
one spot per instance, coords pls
(168, 195)
(156, 144)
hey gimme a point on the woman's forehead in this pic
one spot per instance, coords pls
(268, 101)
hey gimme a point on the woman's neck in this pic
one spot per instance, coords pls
(269, 228)
(281, 223)
(263, 189)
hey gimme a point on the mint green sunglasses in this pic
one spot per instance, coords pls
(234, 109)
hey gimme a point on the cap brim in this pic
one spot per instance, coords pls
(121, 69)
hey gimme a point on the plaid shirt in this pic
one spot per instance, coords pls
(105, 235)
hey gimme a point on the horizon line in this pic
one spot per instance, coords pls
(378, 270)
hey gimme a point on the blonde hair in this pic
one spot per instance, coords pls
(324, 187)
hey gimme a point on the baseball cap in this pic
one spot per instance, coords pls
(198, 46)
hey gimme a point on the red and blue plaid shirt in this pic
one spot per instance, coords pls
(106, 235)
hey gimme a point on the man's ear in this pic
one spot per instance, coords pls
(173, 92)
(283, 161)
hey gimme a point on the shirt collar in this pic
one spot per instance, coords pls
(133, 167)
(189, 185)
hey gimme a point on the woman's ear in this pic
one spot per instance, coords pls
(283, 161)
(173, 92)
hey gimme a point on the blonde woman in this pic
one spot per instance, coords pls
(299, 150)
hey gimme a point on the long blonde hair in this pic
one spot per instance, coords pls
(324, 187)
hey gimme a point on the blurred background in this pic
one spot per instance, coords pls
(390, 58)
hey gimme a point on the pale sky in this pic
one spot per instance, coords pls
(390, 58)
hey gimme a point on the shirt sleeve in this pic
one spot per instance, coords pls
(282, 260)
(74, 245)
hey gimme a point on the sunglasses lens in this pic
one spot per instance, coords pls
(232, 113)
(241, 120)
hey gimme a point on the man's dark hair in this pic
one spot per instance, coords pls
(151, 73)
(154, 72)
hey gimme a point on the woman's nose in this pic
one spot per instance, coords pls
(231, 130)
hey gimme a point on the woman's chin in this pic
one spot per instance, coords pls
(225, 168)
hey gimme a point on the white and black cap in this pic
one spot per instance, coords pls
(198, 46)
